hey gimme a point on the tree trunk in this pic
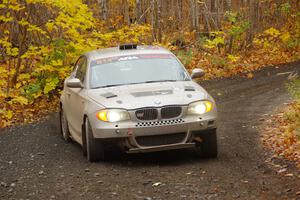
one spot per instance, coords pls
(103, 9)
(153, 19)
(253, 18)
(138, 10)
(19, 62)
(155, 16)
(194, 10)
(159, 31)
(228, 5)
(126, 12)
(179, 13)
(217, 15)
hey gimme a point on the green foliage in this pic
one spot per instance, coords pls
(218, 39)
(185, 57)
(32, 90)
(237, 30)
(219, 61)
(237, 26)
(231, 16)
(59, 50)
(294, 89)
(285, 7)
(50, 84)
(232, 37)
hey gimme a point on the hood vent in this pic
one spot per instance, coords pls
(109, 95)
(189, 88)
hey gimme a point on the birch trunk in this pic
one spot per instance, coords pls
(103, 9)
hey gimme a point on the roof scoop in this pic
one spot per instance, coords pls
(127, 46)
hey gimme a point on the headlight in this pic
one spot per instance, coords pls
(200, 107)
(113, 115)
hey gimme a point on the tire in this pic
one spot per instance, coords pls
(208, 148)
(64, 127)
(95, 148)
(83, 137)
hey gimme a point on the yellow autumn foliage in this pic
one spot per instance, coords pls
(38, 49)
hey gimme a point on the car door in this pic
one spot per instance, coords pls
(76, 99)
(67, 90)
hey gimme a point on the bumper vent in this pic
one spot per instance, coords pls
(146, 114)
(170, 112)
(157, 140)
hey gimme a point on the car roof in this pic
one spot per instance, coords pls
(115, 51)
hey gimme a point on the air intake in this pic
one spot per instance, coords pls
(157, 140)
(127, 46)
(170, 112)
(147, 114)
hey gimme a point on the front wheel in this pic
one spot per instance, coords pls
(94, 149)
(208, 148)
(64, 127)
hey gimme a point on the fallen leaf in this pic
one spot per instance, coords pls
(156, 184)
(289, 175)
(281, 170)
(250, 75)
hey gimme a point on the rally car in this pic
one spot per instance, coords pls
(139, 98)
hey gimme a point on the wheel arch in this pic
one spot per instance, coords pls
(83, 124)
(83, 135)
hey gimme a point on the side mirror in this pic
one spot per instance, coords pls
(197, 73)
(74, 83)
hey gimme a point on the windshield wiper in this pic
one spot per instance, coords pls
(160, 81)
(113, 85)
(105, 86)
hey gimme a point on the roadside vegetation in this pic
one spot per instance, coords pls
(283, 129)
(41, 39)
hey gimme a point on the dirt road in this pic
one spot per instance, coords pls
(35, 163)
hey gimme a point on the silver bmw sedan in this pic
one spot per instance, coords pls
(139, 98)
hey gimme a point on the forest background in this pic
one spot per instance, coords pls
(41, 39)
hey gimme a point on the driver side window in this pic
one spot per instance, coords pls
(81, 66)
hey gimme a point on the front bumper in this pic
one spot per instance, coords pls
(126, 133)
(131, 128)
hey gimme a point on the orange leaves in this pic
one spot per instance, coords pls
(280, 134)
(250, 75)
(22, 114)
(271, 47)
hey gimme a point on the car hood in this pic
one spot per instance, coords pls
(148, 95)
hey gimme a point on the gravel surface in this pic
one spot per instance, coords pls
(35, 163)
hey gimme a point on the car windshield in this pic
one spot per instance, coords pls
(136, 69)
